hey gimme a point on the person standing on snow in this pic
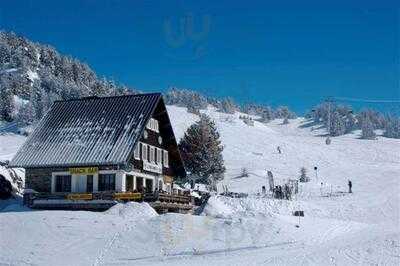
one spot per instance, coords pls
(279, 149)
(350, 186)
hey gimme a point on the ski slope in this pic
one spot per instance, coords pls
(338, 228)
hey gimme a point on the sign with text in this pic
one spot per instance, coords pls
(151, 167)
(84, 170)
(168, 179)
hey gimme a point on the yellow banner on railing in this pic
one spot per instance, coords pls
(127, 196)
(84, 170)
(80, 196)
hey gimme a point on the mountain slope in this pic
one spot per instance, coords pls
(372, 166)
(338, 228)
(38, 73)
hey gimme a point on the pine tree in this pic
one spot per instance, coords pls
(36, 100)
(26, 114)
(367, 129)
(392, 127)
(284, 112)
(186, 98)
(285, 121)
(6, 103)
(193, 110)
(337, 126)
(303, 175)
(244, 172)
(350, 123)
(228, 106)
(201, 151)
(267, 115)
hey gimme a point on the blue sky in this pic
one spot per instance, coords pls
(294, 55)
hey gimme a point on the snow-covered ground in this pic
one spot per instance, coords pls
(362, 228)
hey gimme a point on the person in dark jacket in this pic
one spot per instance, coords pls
(350, 186)
(279, 149)
(280, 192)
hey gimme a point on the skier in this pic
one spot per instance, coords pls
(286, 191)
(350, 186)
(328, 141)
(276, 190)
(279, 149)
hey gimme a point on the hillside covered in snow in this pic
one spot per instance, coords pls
(339, 228)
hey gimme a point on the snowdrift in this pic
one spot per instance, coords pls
(253, 206)
(132, 210)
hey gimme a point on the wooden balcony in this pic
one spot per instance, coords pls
(162, 202)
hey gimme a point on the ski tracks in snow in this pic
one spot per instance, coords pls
(110, 244)
(100, 258)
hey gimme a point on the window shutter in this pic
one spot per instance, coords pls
(159, 155)
(136, 153)
(144, 152)
(166, 163)
(153, 125)
(152, 154)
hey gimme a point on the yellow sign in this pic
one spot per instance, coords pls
(127, 196)
(80, 196)
(84, 171)
(168, 179)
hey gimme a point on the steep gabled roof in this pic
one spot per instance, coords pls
(88, 131)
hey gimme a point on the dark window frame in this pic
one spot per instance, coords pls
(63, 183)
(89, 183)
(106, 182)
(149, 185)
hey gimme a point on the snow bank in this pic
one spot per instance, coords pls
(9, 144)
(132, 210)
(12, 205)
(15, 177)
(226, 207)
(216, 207)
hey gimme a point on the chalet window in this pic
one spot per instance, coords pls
(136, 153)
(106, 182)
(63, 183)
(159, 156)
(166, 164)
(156, 127)
(152, 154)
(144, 152)
(153, 125)
(89, 183)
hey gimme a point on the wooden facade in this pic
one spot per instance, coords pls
(152, 158)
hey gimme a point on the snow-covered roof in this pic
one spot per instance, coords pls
(88, 131)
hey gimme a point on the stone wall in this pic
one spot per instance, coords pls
(39, 179)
